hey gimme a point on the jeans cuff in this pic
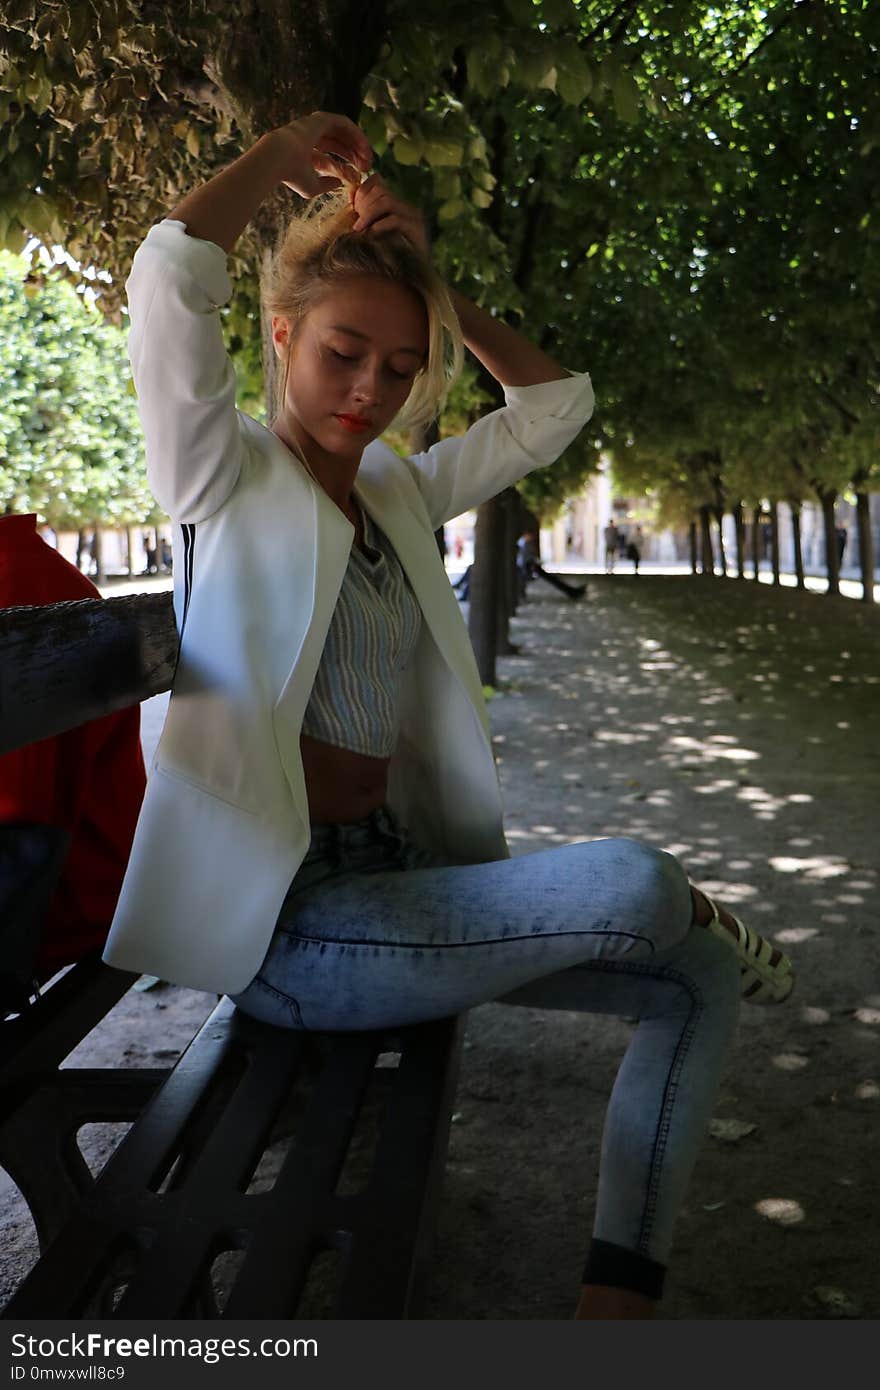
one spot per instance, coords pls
(616, 1267)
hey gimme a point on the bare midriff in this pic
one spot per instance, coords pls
(342, 786)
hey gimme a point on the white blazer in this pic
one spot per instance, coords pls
(260, 555)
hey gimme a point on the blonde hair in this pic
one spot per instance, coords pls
(320, 251)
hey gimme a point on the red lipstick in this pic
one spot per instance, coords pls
(356, 424)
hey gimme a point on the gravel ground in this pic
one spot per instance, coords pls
(729, 723)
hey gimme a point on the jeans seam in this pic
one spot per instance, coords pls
(452, 945)
(281, 996)
(664, 1120)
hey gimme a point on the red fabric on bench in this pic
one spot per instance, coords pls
(89, 780)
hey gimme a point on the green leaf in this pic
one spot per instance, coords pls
(447, 185)
(608, 70)
(407, 151)
(448, 212)
(626, 97)
(480, 198)
(443, 152)
(480, 69)
(530, 68)
(37, 214)
(575, 76)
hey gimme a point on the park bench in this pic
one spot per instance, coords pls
(188, 1191)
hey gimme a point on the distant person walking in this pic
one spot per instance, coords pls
(634, 548)
(150, 553)
(612, 541)
(841, 533)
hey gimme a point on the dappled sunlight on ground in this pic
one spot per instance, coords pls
(783, 1210)
(738, 719)
(734, 726)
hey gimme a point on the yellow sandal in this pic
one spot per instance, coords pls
(764, 981)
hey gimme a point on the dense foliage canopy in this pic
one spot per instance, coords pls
(678, 197)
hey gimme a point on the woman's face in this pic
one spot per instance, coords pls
(352, 365)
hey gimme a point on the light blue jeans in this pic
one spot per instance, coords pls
(376, 933)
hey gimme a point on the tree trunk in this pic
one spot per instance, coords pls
(707, 559)
(80, 546)
(98, 554)
(719, 517)
(692, 542)
(866, 545)
(827, 499)
(129, 551)
(485, 587)
(756, 541)
(774, 541)
(798, 548)
(509, 500)
(740, 526)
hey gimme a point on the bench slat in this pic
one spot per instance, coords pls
(66, 663)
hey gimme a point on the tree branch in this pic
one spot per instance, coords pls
(846, 414)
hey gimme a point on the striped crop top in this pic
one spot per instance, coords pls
(356, 695)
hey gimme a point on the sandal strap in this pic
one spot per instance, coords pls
(762, 982)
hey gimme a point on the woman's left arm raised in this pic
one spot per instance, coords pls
(545, 405)
(505, 353)
(510, 357)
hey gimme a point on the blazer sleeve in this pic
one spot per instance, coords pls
(183, 377)
(531, 430)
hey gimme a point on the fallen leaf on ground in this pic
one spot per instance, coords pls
(835, 1302)
(730, 1131)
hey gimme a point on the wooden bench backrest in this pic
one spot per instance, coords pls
(66, 663)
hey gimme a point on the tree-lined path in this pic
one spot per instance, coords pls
(734, 725)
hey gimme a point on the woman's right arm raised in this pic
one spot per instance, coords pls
(183, 376)
(220, 210)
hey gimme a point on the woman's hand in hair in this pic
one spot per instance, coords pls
(379, 211)
(308, 145)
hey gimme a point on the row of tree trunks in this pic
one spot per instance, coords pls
(493, 585)
(702, 556)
